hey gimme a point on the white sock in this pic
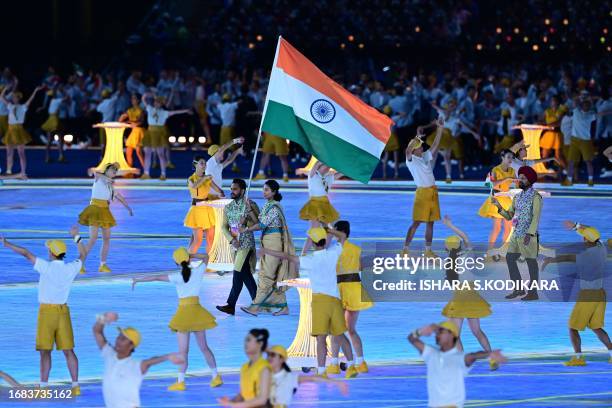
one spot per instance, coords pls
(181, 377)
(321, 370)
(578, 355)
(44, 384)
(261, 171)
(427, 247)
(75, 384)
(359, 360)
(285, 175)
(214, 372)
(590, 178)
(334, 361)
(350, 363)
(570, 178)
(102, 263)
(610, 352)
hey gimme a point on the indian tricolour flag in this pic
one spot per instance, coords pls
(307, 107)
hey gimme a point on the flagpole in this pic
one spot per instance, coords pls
(263, 115)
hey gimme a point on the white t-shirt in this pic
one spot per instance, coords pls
(321, 266)
(121, 381)
(16, 114)
(56, 278)
(107, 109)
(445, 377)
(581, 124)
(157, 116)
(318, 185)
(284, 385)
(566, 129)
(101, 190)
(54, 105)
(193, 285)
(227, 111)
(421, 170)
(591, 265)
(214, 169)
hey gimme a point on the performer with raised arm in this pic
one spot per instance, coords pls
(426, 207)
(98, 215)
(190, 317)
(54, 325)
(590, 308)
(327, 312)
(216, 163)
(524, 212)
(16, 137)
(447, 366)
(238, 213)
(123, 374)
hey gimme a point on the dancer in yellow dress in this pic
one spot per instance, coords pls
(352, 294)
(98, 215)
(135, 116)
(201, 217)
(255, 374)
(16, 137)
(318, 210)
(590, 308)
(465, 304)
(501, 178)
(190, 316)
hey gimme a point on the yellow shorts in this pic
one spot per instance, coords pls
(446, 142)
(467, 304)
(275, 145)
(426, 206)
(54, 327)
(319, 209)
(16, 135)
(200, 108)
(200, 216)
(97, 214)
(191, 316)
(3, 124)
(354, 298)
(488, 210)
(506, 143)
(327, 315)
(580, 148)
(516, 246)
(228, 133)
(155, 136)
(393, 143)
(135, 138)
(51, 124)
(566, 149)
(551, 140)
(589, 310)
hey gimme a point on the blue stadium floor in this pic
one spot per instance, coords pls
(534, 335)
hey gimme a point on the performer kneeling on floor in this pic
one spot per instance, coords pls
(447, 366)
(590, 308)
(327, 312)
(190, 316)
(241, 212)
(54, 323)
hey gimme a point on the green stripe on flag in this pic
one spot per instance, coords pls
(335, 152)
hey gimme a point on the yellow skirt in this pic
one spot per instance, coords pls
(135, 138)
(506, 143)
(16, 135)
(97, 214)
(3, 124)
(446, 142)
(354, 297)
(319, 209)
(51, 124)
(392, 143)
(200, 217)
(155, 136)
(551, 140)
(191, 316)
(488, 210)
(467, 304)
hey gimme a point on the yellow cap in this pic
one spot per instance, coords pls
(180, 255)
(387, 110)
(515, 149)
(132, 334)
(452, 242)
(50, 92)
(450, 326)
(226, 97)
(589, 233)
(316, 234)
(416, 143)
(212, 149)
(106, 93)
(280, 350)
(56, 246)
